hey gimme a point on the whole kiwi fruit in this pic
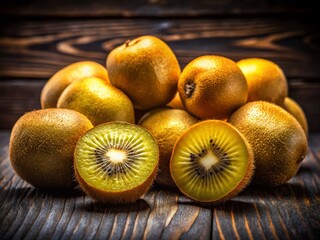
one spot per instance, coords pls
(42, 144)
(63, 78)
(166, 126)
(212, 87)
(211, 162)
(146, 70)
(266, 80)
(99, 101)
(278, 141)
(176, 102)
(116, 162)
(295, 110)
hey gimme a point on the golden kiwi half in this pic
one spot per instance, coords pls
(116, 162)
(211, 162)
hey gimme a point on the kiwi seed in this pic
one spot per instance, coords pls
(116, 162)
(211, 162)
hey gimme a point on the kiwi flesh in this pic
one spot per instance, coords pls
(116, 162)
(211, 162)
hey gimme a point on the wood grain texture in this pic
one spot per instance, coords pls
(151, 8)
(37, 49)
(31, 50)
(16, 98)
(291, 211)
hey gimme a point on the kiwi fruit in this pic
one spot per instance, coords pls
(116, 162)
(60, 80)
(212, 87)
(146, 70)
(166, 126)
(278, 141)
(211, 162)
(42, 144)
(295, 110)
(266, 80)
(176, 102)
(99, 101)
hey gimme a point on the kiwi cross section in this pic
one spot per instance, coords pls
(115, 157)
(211, 161)
(118, 158)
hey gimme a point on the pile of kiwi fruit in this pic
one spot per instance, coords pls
(209, 130)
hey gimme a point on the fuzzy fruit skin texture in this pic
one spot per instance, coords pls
(166, 126)
(277, 139)
(248, 174)
(176, 102)
(42, 145)
(266, 81)
(99, 101)
(63, 78)
(145, 69)
(212, 87)
(295, 110)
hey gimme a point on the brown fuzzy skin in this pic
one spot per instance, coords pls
(266, 80)
(64, 77)
(245, 180)
(145, 69)
(166, 126)
(42, 145)
(218, 87)
(99, 101)
(176, 102)
(128, 196)
(278, 141)
(295, 110)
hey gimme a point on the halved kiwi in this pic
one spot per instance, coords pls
(211, 162)
(116, 162)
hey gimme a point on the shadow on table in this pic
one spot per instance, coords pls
(290, 190)
(139, 205)
(41, 193)
(230, 205)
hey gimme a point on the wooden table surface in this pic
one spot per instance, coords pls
(38, 37)
(291, 211)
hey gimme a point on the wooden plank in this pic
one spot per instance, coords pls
(20, 96)
(26, 212)
(37, 49)
(290, 211)
(16, 98)
(151, 8)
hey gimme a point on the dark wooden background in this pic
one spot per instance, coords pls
(39, 37)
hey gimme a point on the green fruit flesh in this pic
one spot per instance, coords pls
(115, 157)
